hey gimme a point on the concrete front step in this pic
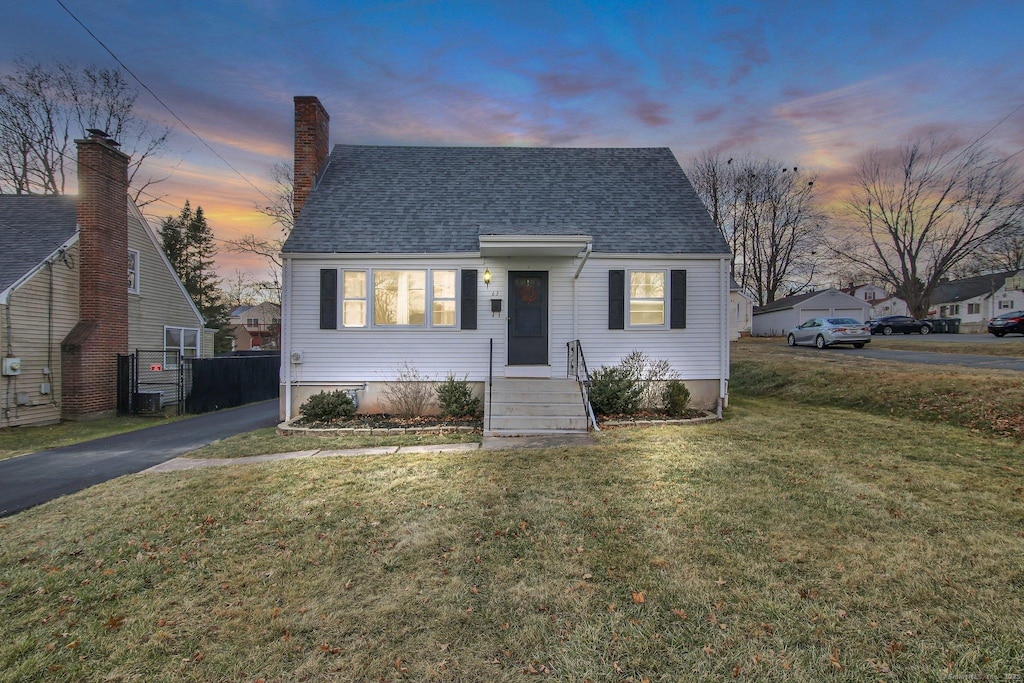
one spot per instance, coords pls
(567, 409)
(525, 406)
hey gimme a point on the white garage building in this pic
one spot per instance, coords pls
(778, 317)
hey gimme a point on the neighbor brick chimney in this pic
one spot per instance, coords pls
(89, 352)
(312, 132)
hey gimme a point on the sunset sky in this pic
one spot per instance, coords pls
(812, 83)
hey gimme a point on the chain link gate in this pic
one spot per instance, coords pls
(150, 381)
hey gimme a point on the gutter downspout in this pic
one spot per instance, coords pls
(286, 337)
(575, 299)
(723, 289)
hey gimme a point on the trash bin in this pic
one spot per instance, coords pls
(938, 325)
(953, 326)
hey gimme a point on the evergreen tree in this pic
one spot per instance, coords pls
(187, 240)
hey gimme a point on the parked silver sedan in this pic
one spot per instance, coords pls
(822, 332)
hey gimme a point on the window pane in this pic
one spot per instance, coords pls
(172, 337)
(191, 339)
(444, 314)
(646, 312)
(354, 314)
(355, 284)
(647, 285)
(399, 297)
(444, 284)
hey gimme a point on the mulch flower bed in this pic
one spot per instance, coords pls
(384, 421)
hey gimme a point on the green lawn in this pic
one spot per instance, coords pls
(789, 542)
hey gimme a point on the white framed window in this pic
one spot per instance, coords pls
(252, 322)
(1006, 305)
(133, 271)
(353, 298)
(442, 313)
(184, 340)
(647, 298)
(973, 309)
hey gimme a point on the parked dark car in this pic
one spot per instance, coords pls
(899, 323)
(1007, 323)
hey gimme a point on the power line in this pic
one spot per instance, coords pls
(162, 103)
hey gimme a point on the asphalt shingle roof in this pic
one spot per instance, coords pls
(968, 288)
(31, 227)
(790, 301)
(372, 199)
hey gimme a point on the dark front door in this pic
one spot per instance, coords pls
(528, 318)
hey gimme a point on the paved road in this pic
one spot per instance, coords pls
(964, 359)
(33, 479)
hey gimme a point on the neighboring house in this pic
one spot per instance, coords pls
(741, 311)
(881, 303)
(256, 328)
(82, 279)
(778, 317)
(975, 299)
(487, 262)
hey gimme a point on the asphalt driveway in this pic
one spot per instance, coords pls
(29, 480)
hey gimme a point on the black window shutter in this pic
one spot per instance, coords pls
(328, 299)
(469, 299)
(677, 303)
(616, 299)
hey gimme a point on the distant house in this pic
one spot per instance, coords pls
(256, 327)
(83, 279)
(881, 303)
(741, 311)
(975, 299)
(496, 263)
(782, 315)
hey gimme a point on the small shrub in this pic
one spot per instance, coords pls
(614, 391)
(328, 406)
(409, 395)
(651, 375)
(455, 397)
(675, 398)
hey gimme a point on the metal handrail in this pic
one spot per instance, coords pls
(574, 364)
(490, 384)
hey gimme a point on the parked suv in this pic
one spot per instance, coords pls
(898, 323)
(1007, 323)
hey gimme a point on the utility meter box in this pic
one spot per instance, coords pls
(12, 366)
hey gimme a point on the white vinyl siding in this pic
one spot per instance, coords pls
(374, 354)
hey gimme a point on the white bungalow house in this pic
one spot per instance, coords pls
(976, 299)
(496, 264)
(881, 303)
(782, 315)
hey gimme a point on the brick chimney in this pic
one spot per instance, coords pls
(312, 132)
(89, 352)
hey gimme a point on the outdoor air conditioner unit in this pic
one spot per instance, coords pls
(296, 357)
(12, 366)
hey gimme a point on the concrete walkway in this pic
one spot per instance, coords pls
(490, 443)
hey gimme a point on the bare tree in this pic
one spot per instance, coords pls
(280, 209)
(924, 209)
(767, 212)
(44, 107)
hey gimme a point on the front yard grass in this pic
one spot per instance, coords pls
(20, 440)
(987, 401)
(789, 542)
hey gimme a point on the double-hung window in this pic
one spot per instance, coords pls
(647, 298)
(353, 298)
(183, 340)
(973, 309)
(133, 271)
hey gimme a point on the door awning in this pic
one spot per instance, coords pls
(533, 245)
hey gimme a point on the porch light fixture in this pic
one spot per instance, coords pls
(487, 277)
